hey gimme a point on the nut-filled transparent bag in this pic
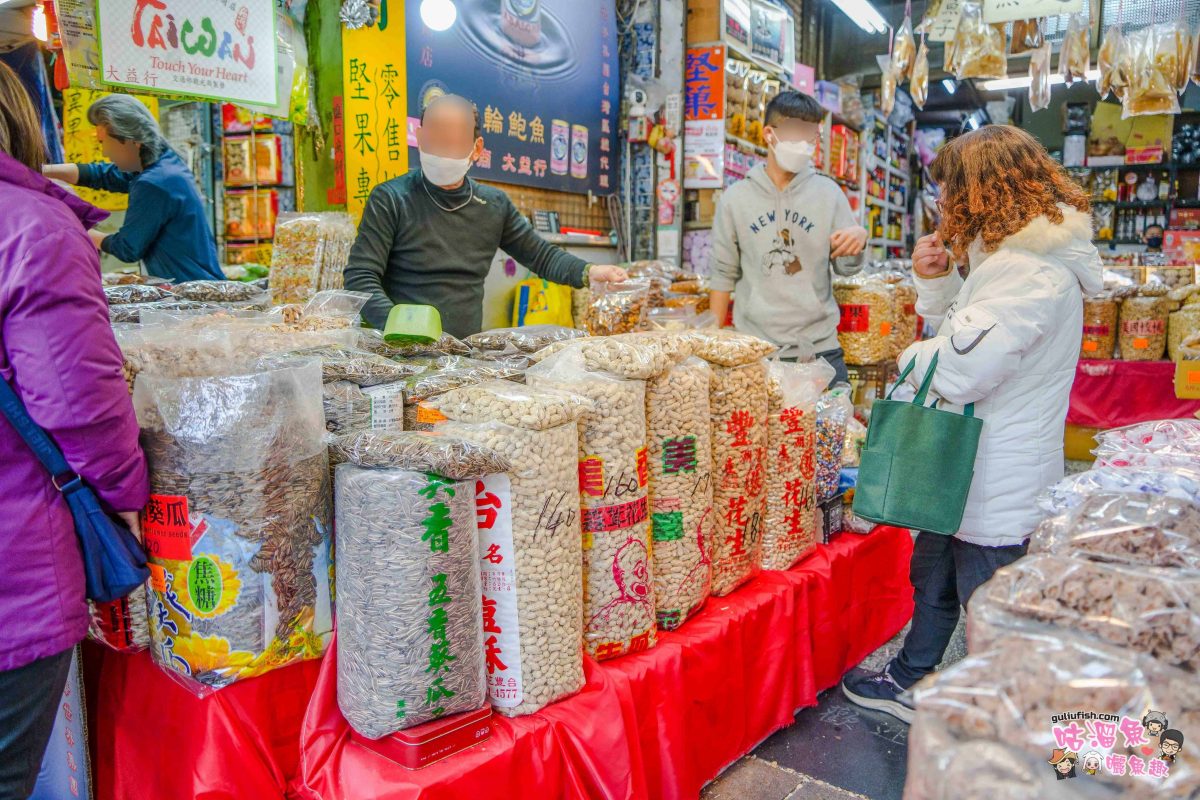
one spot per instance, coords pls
(918, 87)
(526, 339)
(1039, 78)
(1113, 62)
(238, 522)
(1100, 324)
(135, 293)
(1153, 66)
(834, 412)
(618, 307)
(1143, 328)
(1179, 482)
(867, 303)
(410, 621)
(978, 46)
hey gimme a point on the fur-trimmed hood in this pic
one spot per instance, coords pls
(1068, 242)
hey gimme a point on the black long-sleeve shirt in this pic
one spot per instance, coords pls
(409, 250)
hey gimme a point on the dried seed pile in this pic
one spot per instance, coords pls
(349, 407)
(528, 339)
(134, 293)
(358, 366)
(218, 292)
(680, 455)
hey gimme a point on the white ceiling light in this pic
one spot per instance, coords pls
(438, 15)
(949, 85)
(863, 14)
(1001, 84)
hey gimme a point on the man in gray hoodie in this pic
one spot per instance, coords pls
(776, 236)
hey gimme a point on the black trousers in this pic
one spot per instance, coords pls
(945, 572)
(29, 698)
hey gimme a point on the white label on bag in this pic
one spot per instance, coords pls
(387, 406)
(498, 573)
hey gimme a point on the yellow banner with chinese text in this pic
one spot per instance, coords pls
(80, 145)
(375, 98)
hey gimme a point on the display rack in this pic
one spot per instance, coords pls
(886, 183)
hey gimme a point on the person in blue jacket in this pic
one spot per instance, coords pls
(165, 227)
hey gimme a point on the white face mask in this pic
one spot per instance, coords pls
(793, 156)
(442, 171)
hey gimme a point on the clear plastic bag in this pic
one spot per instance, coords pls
(793, 521)
(1161, 443)
(1181, 325)
(1146, 609)
(310, 254)
(726, 348)
(133, 313)
(1112, 60)
(904, 49)
(904, 326)
(122, 624)
(124, 294)
(531, 407)
(446, 345)
(1026, 36)
(637, 356)
(1153, 65)
(834, 411)
(419, 413)
(1180, 483)
(238, 522)
(867, 303)
(919, 85)
(1100, 324)
(680, 457)
(441, 453)
(219, 292)
(1139, 529)
(528, 339)
(1074, 57)
(1143, 334)
(618, 307)
(1181, 38)
(361, 367)
(1039, 78)
(333, 308)
(410, 634)
(978, 47)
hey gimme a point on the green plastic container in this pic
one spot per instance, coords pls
(412, 324)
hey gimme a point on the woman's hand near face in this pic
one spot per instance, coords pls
(929, 257)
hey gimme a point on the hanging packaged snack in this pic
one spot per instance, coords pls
(1074, 57)
(919, 87)
(1039, 78)
(904, 48)
(1153, 64)
(887, 90)
(1026, 36)
(1112, 62)
(978, 47)
(1181, 38)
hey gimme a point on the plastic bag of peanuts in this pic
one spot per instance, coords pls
(793, 518)
(614, 476)
(530, 548)
(868, 316)
(680, 456)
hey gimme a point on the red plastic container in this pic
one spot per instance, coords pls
(426, 744)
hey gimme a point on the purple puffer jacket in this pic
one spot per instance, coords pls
(57, 350)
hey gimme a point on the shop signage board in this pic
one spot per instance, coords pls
(704, 83)
(703, 154)
(737, 22)
(945, 22)
(545, 77)
(804, 78)
(374, 107)
(219, 50)
(997, 11)
(770, 27)
(80, 144)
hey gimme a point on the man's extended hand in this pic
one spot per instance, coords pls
(607, 273)
(847, 242)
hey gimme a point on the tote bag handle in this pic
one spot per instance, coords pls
(926, 383)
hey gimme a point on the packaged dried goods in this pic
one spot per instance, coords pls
(329, 309)
(1181, 324)
(310, 254)
(1153, 66)
(1074, 57)
(527, 339)
(133, 312)
(1099, 327)
(978, 47)
(1162, 443)
(918, 87)
(350, 407)
(793, 522)
(238, 522)
(219, 292)
(618, 307)
(1138, 529)
(726, 348)
(1149, 610)
(867, 304)
(1181, 38)
(985, 727)
(122, 624)
(1189, 348)
(856, 438)
(1039, 78)
(904, 49)
(906, 319)
(1143, 333)
(534, 408)
(124, 294)
(739, 410)
(1177, 482)
(410, 619)
(446, 345)
(419, 414)
(887, 89)
(155, 349)
(339, 363)
(614, 474)
(638, 356)
(1026, 36)
(531, 557)
(680, 457)
(834, 411)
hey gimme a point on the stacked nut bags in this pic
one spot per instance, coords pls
(614, 475)
(410, 624)
(238, 523)
(738, 404)
(531, 555)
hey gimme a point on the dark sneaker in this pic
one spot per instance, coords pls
(879, 692)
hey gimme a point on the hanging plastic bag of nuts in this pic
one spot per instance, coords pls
(1026, 36)
(237, 526)
(614, 474)
(1099, 326)
(680, 456)
(904, 47)
(410, 622)
(867, 304)
(793, 525)
(618, 307)
(1153, 66)
(531, 553)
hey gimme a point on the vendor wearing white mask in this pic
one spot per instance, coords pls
(776, 236)
(429, 237)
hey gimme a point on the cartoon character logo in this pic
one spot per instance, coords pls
(1169, 745)
(700, 577)
(782, 255)
(1063, 762)
(1155, 722)
(1092, 762)
(631, 574)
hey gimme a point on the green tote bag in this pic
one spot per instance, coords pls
(918, 462)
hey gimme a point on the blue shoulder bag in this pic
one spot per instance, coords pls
(114, 563)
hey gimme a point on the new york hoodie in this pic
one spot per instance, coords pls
(771, 247)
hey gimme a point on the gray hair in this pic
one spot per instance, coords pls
(127, 119)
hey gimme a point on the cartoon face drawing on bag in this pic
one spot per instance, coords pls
(1169, 745)
(782, 256)
(1155, 722)
(631, 574)
(1091, 763)
(1063, 763)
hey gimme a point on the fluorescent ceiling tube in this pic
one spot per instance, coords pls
(863, 14)
(1001, 84)
(950, 85)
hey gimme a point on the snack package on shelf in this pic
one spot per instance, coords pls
(679, 439)
(238, 522)
(1100, 313)
(410, 618)
(1179, 482)
(1153, 65)
(1026, 36)
(868, 316)
(310, 254)
(1137, 529)
(978, 47)
(793, 523)
(918, 87)
(985, 727)
(614, 475)
(834, 412)
(1074, 57)
(618, 307)
(1112, 60)
(1148, 610)
(1039, 78)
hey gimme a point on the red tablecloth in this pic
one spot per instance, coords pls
(656, 724)
(1109, 394)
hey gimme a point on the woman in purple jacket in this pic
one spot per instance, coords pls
(58, 352)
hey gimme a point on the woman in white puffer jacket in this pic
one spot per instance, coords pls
(1008, 341)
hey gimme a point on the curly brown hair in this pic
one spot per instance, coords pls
(994, 181)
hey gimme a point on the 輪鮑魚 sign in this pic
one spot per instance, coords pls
(218, 49)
